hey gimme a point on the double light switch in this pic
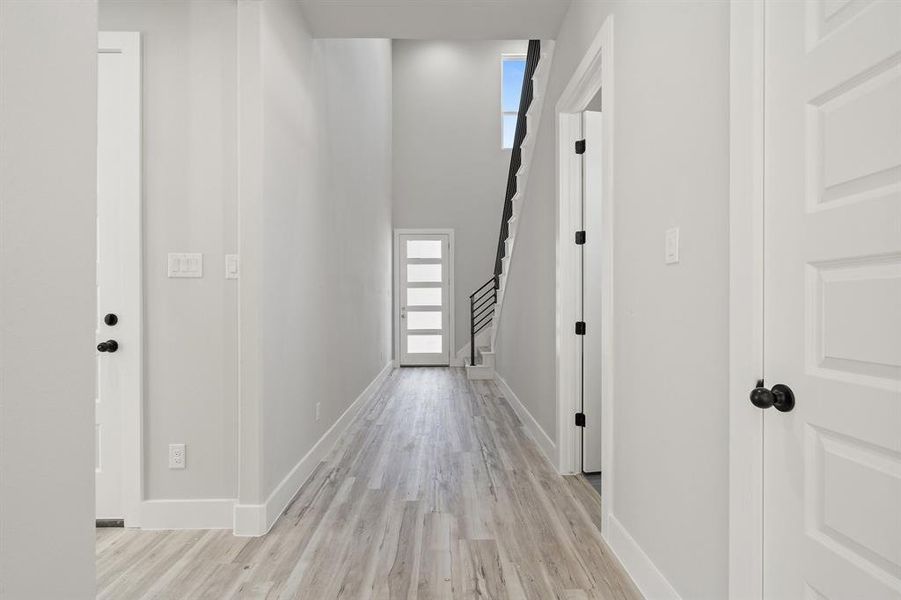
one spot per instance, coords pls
(185, 264)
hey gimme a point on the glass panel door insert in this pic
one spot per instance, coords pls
(424, 299)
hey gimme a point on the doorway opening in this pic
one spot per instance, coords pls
(119, 376)
(424, 297)
(584, 295)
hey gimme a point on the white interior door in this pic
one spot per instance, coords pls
(117, 399)
(591, 292)
(424, 298)
(832, 465)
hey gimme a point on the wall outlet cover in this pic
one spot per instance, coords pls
(177, 456)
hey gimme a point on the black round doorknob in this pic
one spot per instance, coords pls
(781, 397)
(108, 346)
(110, 319)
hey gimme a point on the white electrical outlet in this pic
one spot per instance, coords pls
(317, 411)
(177, 456)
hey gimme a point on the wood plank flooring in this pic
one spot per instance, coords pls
(435, 491)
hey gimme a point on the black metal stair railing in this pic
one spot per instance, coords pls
(483, 300)
(481, 312)
(525, 100)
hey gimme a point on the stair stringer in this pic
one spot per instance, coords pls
(533, 120)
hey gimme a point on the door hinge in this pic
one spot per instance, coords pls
(580, 147)
(580, 327)
(580, 237)
(580, 419)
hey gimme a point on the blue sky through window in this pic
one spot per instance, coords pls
(511, 88)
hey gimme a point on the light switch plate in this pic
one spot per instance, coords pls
(232, 266)
(672, 246)
(185, 264)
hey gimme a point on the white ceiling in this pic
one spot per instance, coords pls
(436, 19)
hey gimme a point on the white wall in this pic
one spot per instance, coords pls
(48, 132)
(250, 123)
(671, 322)
(190, 205)
(320, 234)
(449, 167)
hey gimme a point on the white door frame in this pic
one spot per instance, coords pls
(452, 349)
(746, 230)
(594, 73)
(129, 45)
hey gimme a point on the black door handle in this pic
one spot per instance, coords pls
(781, 396)
(108, 346)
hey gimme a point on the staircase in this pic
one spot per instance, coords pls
(486, 302)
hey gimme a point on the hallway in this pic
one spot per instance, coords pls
(436, 491)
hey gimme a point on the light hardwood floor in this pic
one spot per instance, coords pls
(436, 491)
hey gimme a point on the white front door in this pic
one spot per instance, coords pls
(832, 465)
(424, 298)
(118, 273)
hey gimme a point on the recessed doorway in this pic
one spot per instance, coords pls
(423, 296)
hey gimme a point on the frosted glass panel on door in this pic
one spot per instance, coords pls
(424, 344)
(424, 273)
(423, 320)
(423, 248)
(424, 296)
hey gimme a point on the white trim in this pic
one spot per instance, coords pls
(258, 519)
(534, 429)
(451, 275)
(594, 72)
(746, 299)
(128, 44)
(249, 235)
(647, 577)
(203, 513)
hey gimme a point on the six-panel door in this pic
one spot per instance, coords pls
(832, 466)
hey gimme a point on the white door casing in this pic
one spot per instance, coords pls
(424, 316)
(592, 291)
(594, 72)
(118, 439)
(832, 300)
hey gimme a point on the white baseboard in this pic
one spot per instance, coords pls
(544, 441)
(205, 513)
(258, 519)
(650, 581)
